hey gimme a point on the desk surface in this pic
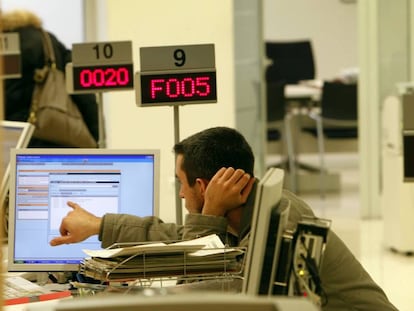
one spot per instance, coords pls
(39, 305)
(302, 91)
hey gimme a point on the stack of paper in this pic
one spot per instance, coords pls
(203, 256)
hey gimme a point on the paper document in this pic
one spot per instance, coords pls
(202, 255)
(157, 248)
(209, 242)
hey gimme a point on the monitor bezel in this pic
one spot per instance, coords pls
(26, 131)
(267, 208)
(23, 141)
(16, 267)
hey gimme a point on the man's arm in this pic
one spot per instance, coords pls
(227, 190)
(346, 283)
(79, 224)
(129, 228)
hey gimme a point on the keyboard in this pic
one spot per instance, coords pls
(18, 290)
(16, 287)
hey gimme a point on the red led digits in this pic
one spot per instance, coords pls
(171, 91)
(178, 88)
(156, 86)
(189, 84)
(108, 77)
(186, 87)
(203, 86)
(103, 77)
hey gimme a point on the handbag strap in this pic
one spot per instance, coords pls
(48, 50)
(40, 75)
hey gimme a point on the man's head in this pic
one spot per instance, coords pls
(201, 155)
(205, 152)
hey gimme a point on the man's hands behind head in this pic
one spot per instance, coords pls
(76, 226)
(227, 190)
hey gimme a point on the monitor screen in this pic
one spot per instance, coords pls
(13, 134)
(100, 180)
(269, 220)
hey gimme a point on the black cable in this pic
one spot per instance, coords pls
(314, 273)
(52, 278)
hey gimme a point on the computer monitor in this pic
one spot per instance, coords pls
(100, 180)
(270, 216)
(13, 134)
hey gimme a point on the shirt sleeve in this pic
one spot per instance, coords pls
(197, 225)
(345, 282)
(117, 228)
(347, 285)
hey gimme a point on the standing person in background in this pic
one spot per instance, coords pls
(18, 92)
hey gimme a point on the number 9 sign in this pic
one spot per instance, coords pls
(176, 75)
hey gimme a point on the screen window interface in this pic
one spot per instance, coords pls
(99, 183)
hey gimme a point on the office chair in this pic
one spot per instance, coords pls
(337, 117)
(292, 61)
(278, 126)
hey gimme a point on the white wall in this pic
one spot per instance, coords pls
(158, 23)
(331, 25)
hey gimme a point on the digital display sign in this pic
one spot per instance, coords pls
(11, 56)
(176, 75)
(12, 66)
(100, 67)
(105, 77)
(178, 88)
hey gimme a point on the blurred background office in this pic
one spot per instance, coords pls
(374, 38)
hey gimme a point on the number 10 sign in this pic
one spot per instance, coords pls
(100, 67)
(176, 75)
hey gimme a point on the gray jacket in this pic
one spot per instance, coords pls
(347, 285)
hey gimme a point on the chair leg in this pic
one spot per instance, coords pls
(321, 147)
(290, 152)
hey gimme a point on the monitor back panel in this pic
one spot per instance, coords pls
(268, 221)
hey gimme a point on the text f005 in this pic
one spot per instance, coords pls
(178, 88)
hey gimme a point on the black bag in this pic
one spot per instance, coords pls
(55, 116)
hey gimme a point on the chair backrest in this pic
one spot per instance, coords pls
(339, 101)
(292, 61)
(275, 99)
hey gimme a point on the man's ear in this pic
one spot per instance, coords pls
(202, 184)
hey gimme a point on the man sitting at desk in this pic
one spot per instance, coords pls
(215, 169)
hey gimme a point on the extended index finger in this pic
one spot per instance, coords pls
(73, 204)
(60, 240)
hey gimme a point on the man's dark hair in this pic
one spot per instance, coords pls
(204, 153)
